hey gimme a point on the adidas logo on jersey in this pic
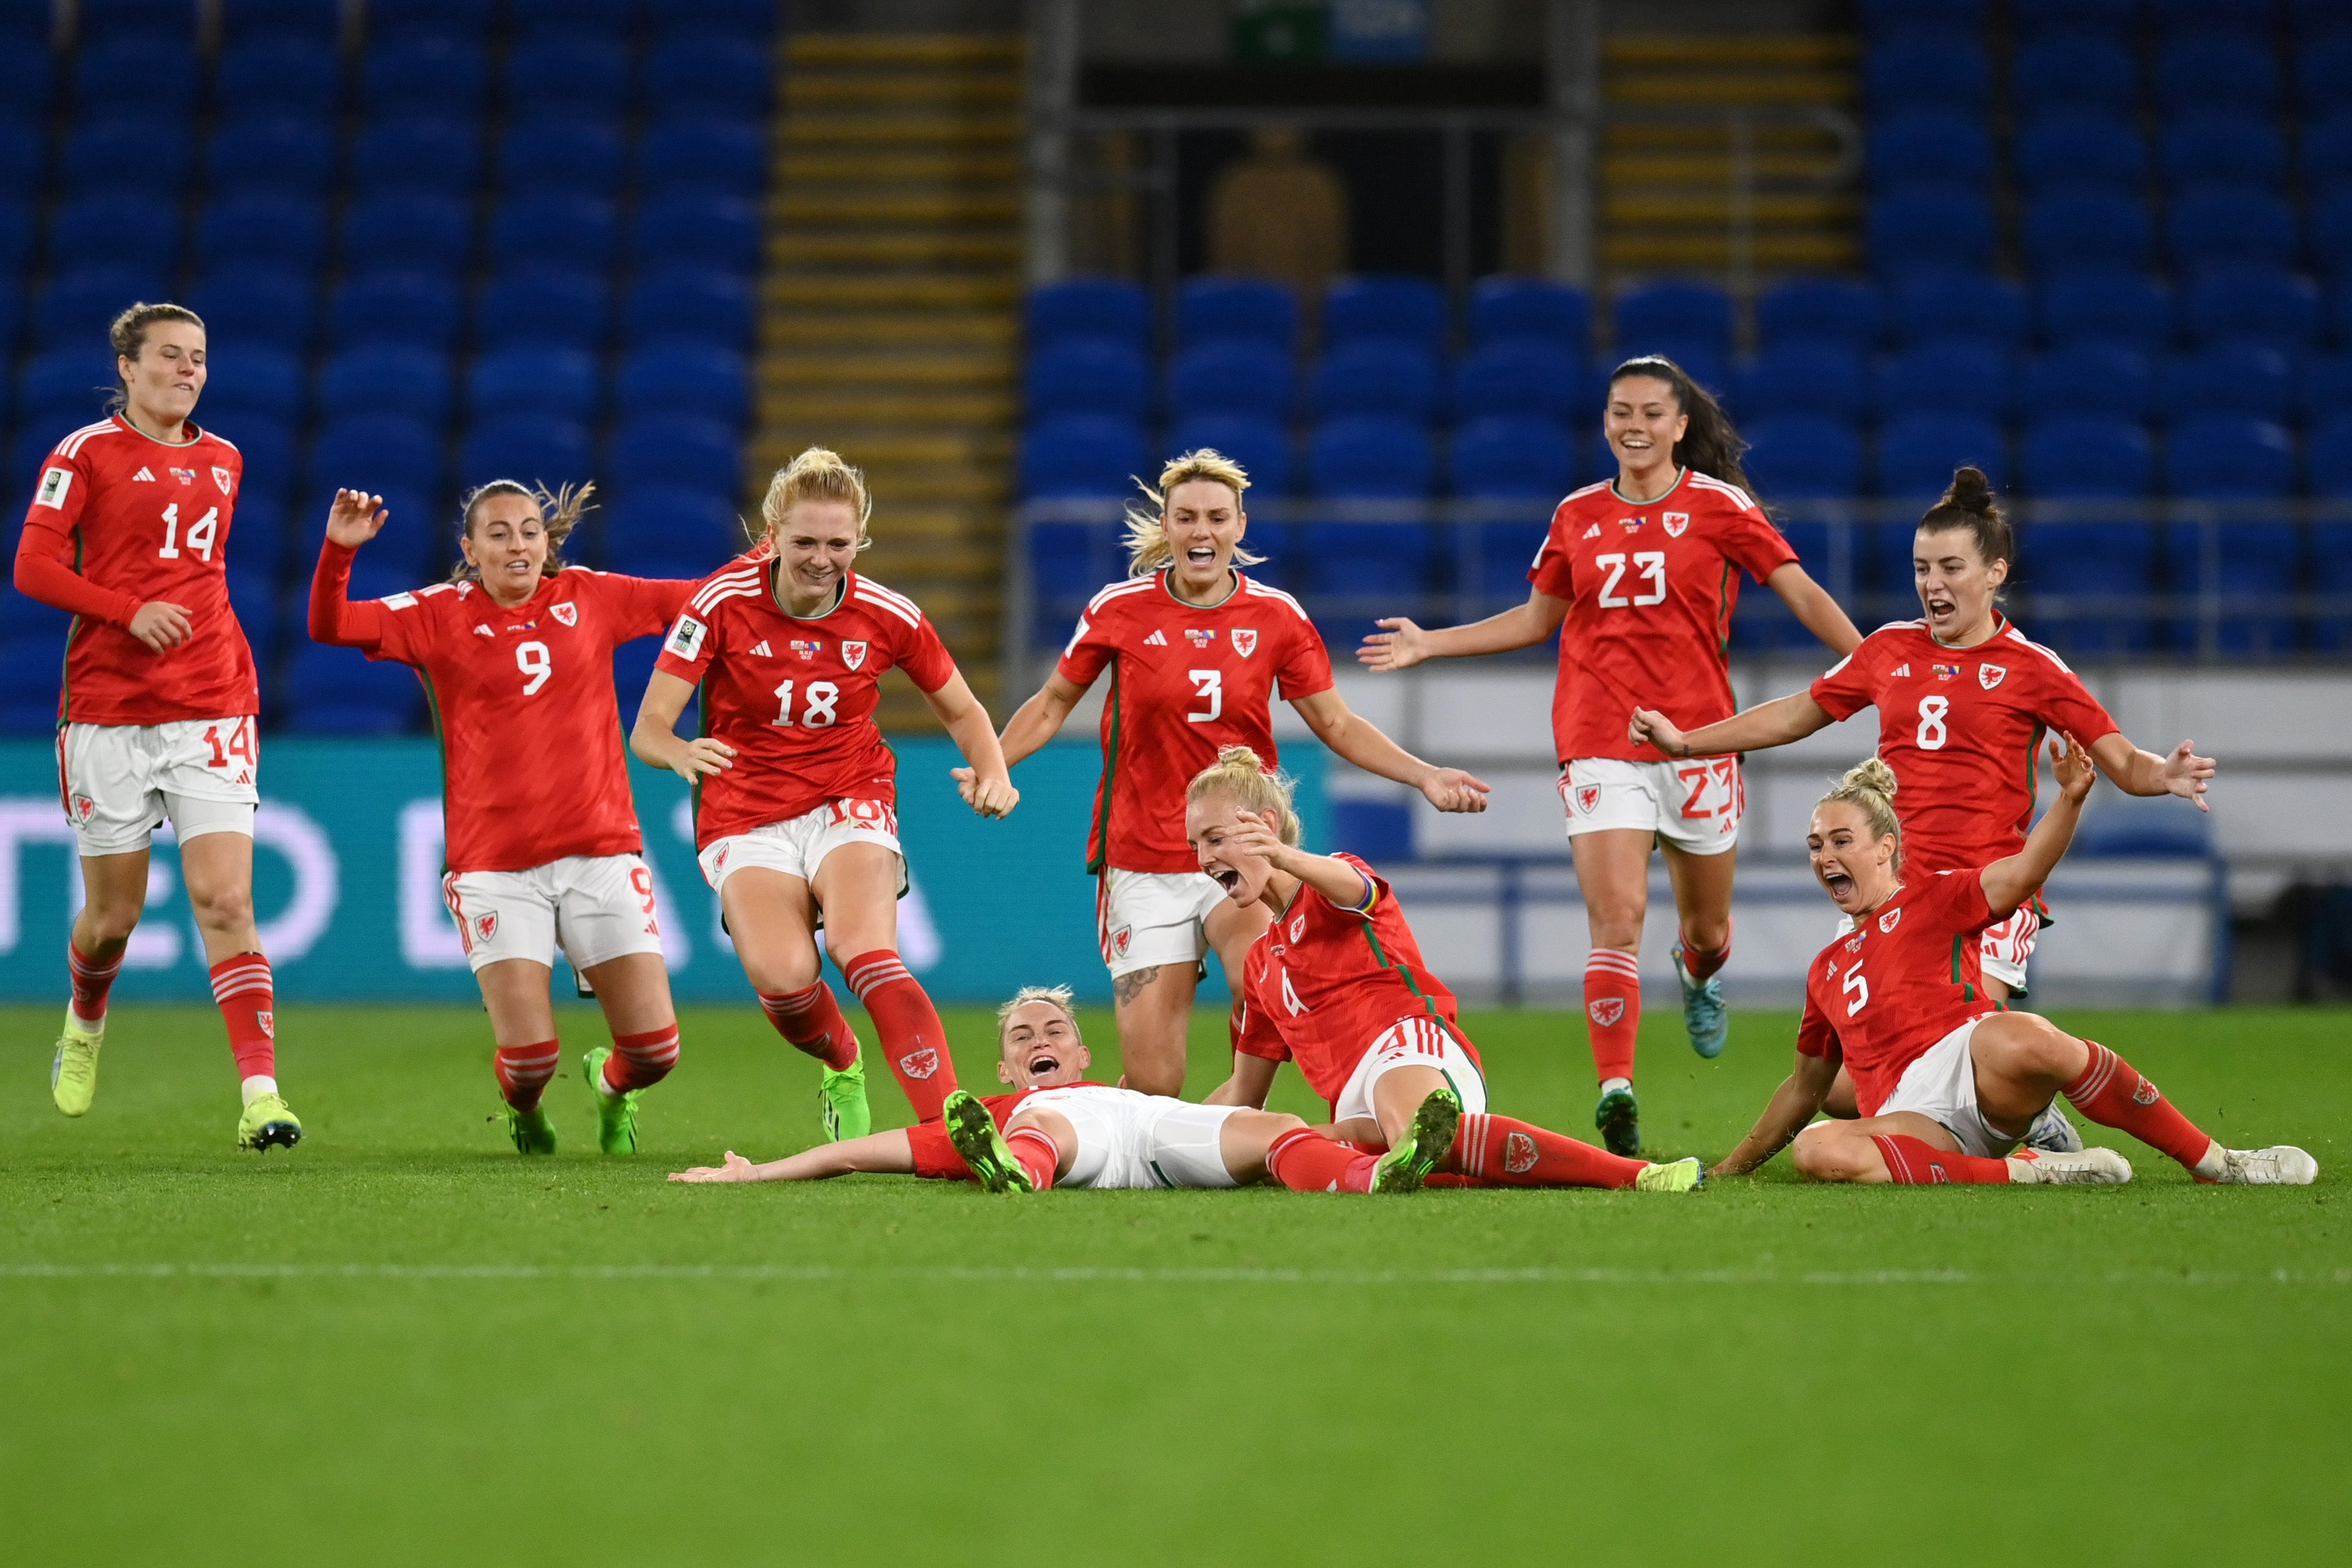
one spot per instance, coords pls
(1593, 532)
(143, 477)
(481, 629)
(761, 649)
(1155, 640)
(1902, 672)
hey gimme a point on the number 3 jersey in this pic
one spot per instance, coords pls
(795, 698)
(1910, 975)
(531, 762)
(1650, 589)
(139, 521)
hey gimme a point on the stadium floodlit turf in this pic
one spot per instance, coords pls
(402, 1344)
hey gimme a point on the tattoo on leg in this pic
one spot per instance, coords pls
(1126, 987)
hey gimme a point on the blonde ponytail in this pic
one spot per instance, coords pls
(1148, 549)
(1869, 787)
(1239, 772)
(817, 474)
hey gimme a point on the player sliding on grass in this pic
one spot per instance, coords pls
(795, 794)
(1336, 983)
(1949, 1079)
(541, 847)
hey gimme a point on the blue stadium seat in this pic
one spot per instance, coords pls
(276, 157)
(2223, 458)
(2254, 301)
(339, 691)
(687, 304)
(2100, 563)
(575, 77)
(1928, 67)
(2088, 229)
(2325, 152)
(2328, 455)
(2217, 70)
(1087, 307)
(1513, 456)
(1929, 229)
(255, 306)
(1917, 453)
(2228, 378)
(2331, 230)
(128, 231)
(2323, 70)
(680, 533)
(417, 154)
(1385, 305)
(2088, 456)
(79, 307)
(1506, 309)
(714, 157)
(2326, 389)
(2222, 149)
(312, 21)
(2090, 377)
(424, 75)
(561, 382)
(1702, 362)
(385, 378)
(540, 449)
(685, 378)
(1081, 455)
(1376, 375)
(260, 381)
(416, 230)
(1819, 310)
(137, 74)
(2106, 304)
(1959, 305)
(676, 449)
(1802, 377)
(1803, 456)
(1521, 377)
(547, 157)
(2070, 151)
(415, 308)
(750, 20)
(276, 75)
(1260, 445)
(28, 82)
(2107, 18)
(1370, 457)
(263, 231)
(610, 17)
(1211, 308)
(382, 452)
(554, 231)
(427, 18)
(1086, 376)
(252, 595)
(550, 307)
(62, 389)
(16, 238)
(695, 231)
(2076, 70)
(718, 74)
(267, 446)
(2327, 452)
(2255, 18)
(1929, 147)
(1675, 312)
(1230, 375)
(1945, 375)
(2216, 224)
(32, 667)
(12, 316)
(22, 161)
(125, 155)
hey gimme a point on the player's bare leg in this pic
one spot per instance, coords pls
(857, 887)
(114, 895)
(1613, 870)
(633, 990)
(524, 1050)
(217, 871)
(1154, 1009)
(1702, 885)
(773, 918)
(1912, 1150)
(1245, 1139)
(2051, 1133)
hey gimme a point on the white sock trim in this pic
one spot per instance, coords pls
(256, 1086)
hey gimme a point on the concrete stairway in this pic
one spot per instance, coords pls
(888, 328)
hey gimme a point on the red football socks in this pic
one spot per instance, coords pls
(2112, 1093)
(241, 985)
(1916, 1163)
(811, 1019)
(1613, 1010)
(1508, 1153)
(1038, 1153)
(1306, 1161)
(1700, 963)
(640, 1061)
(913, 1040)
(523, 1071)
(93, 979)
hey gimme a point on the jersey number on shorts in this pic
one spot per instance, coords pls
(201, 533)
(1211, 684)
(823, 696)
(533, 659)
(1723, 772)
(1932, 732)
(239, 744)
(1649, 564)
(1857, 991)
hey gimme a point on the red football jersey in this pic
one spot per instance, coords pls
(1324, 983)
(145, 520)
(1962, 728)
(531, 761)
(1185, 681)
(1912, 974)
(795, 698)
(1650, 590)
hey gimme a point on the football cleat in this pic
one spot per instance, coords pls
(841, 1103)
(533, 1130)
(2081, 1168)
(1619, 1117)
(2052, 1133)
(2283, 1165)
(269, 1123)
(1407, 1164)
(1704, 1017)
(73, 1072)
(975, 1133)
(1675, 1176)
(616, 1115)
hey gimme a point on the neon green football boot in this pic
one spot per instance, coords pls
(73, 1072)
(616, 1115)
(1675, 1176)
(1619, 1118)
(1407, 1164)
(269, 1123)
(841, 1103)
(973, 1132)
(533, 1130)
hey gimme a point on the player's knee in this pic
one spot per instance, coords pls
(222, 908)
(1153, 1074)
(2031, 1045)
(1618, 925)
(1706, 934)
(109, 920)
(1820, 1155)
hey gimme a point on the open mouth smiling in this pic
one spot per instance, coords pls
(1231, 882)
(1042, 1063)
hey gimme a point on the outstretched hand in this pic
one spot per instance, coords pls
(1451, 789)
(1399, 645)
(2070, 766)
(355, 518)
(2186, 773)
(736, 1169)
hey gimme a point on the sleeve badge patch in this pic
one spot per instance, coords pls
(686, 638)
(54, 483)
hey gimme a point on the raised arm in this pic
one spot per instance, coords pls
(1351, 736)
(1401, 644)
(989, 792)
(1814, 609)
(656, 743)
(355, 518)
(1792, 1106)
(1342, 884)
(1041, 718)
(2009, 882)
(2134, 772)
(1766, 725)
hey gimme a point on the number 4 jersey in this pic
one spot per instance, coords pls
(121, 519)
(532, 764)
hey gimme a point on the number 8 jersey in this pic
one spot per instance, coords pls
(796, 697)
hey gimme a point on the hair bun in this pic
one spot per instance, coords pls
(1872, 772)
(1970, 491)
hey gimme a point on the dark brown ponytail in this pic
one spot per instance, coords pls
(1711, 444)
(1967, 502)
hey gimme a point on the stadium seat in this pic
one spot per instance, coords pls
(255, 306)
(253, 593)
(555, 157)
(1513, 456)
(270, 157)
(32, 667)
(137, 74)
(608, 17)
(312, 21)
(382, 452)
(2106, 304)
(1702, 362)
(1086, 376)
(2217, 70)
(1803, 456)
(2222, 458)
(1959, 305)
(676, 449)
(2328, 455)
(683, 533)
(1081, 455)
(125, 155)
(554, 231)
(428, 18)
(685, 378)
(2105, 19)
(262, 231)
(1385, 305)
(1819, 310)
(750, 20)
(2088, 229)
(2323, 69)
(538, 449)
(2076, 70)
(419, 309)
(16, 238)
(1928, 147)
(1916, 455)
(2327, 387)
(2222, 149)
(1208, 309)
(2254, 301)
(418, 154)
(1919, 228)
(2100, 565)
(1945, 375)
(695, 231)
(276, 75)
(1376, 375)
(22, 161)
(561, 382)
(720, 75)
(62, 389)
(2072, 151)
(2331, 230)
(713, 157)
(1260, 445)
(551, 307)
(1520, 376)
(1673, 311)
(687, 304)
(428, 74)
(1531, 309)
(2325, 152)
(268, 448)
(385, 378)
(1370, 457)
(128, 231)
(263, 381)
(1805, 378)
(79, 307)
(12, 316)
(2228, 378)
(2217, 224)
(574, 77)
(1230, 375)
(2091, 377)
(27, 83)
(339, 691)
(1928, 67)
(1084, 308)
(413, 230)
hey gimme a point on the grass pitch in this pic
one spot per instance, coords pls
(402, 1344)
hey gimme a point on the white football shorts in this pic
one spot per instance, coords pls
(1146, 919)
(1942, 1087)
(1416, 1042)
(1129, 1140)
(798, 847)
(122, 781)
(2005, 946)
(1695, 805)
(594, 907)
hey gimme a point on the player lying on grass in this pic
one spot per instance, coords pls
(1948, 1080)
(1337, 984)
(1059, 1130)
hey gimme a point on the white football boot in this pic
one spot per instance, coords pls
(2283, 1165)
(2083, 1167)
